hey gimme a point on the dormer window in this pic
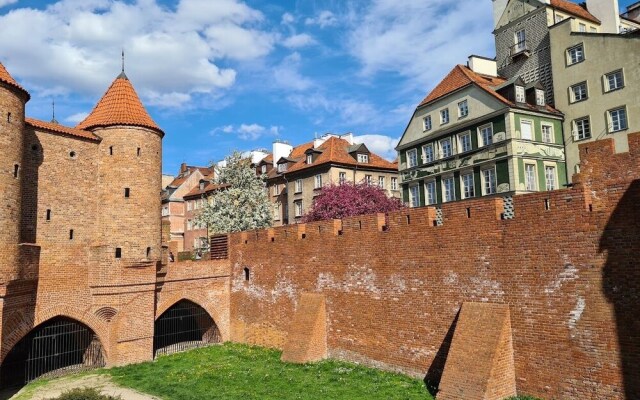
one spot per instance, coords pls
(282, 167)
(264, 169)
(363, 158)
(540, 97)
(520, 94)
(309, 158)
(201, 185)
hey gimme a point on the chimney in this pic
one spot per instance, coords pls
(482, 65)
(608, 12)
(281, 149)
(348, 137)
(183, 168)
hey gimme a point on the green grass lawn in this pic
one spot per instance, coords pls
(233, 371)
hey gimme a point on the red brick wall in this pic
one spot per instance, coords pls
(569, 274)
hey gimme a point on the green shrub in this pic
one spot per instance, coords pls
(85, 394)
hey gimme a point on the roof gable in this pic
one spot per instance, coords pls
(6, 77)
(516, 9)
(61, 129)
(574, 9)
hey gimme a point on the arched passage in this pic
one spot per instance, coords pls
(183, 326)
(57, 346)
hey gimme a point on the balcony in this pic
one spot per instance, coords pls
(520, 49)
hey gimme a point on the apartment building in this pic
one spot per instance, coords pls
(195, 234)
(295, 175)
(479, 134)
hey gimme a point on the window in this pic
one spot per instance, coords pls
(48, 215)
(593, 29)
(617, 119)
(540, 100)
(578, 92)
(489, 181)
(449, 188)
(276, 212)
(426, 123)
(465, 142)
(264, 169)
(427, 153)
(309, 158)
(363, 158)
(367, 179)
(550, 177)
(530, 177)
(467, 185)
(118, 252)
(526, 130)
(110, 150)
(381, 182)
(547, 133)
(394, 183)
(299, 186)
(188, 206)
(559, 18)
(138, 152)
(412, 158)
(444, 116)
(486, 135)
(318, 182)
(520, 40)
(430, 190)
(70, 234)
(582, 27)
(189, 225)
(576, 54)
(342, 177)
(414, 196)
(165, 211)
(282, 167)
(127, 192)
(581, 128)
(276, 189)
(463, 109)
(614, 80)
(298, 208)
(520, 94)
(445, 148)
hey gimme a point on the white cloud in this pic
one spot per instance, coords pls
(247, 131)
(347, 111)
(287, 74)
(7, 2)
(76, 118)
(299, 40)
(287, 19)
(422, 40)
(171, 54)
(382, 145)
(324, 19)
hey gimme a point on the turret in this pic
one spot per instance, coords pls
(128, 228)
(12, 103)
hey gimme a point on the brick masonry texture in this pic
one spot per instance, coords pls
(307, 336)
(566, 266)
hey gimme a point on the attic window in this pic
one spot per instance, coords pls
(201, 185)
(309, 158)
(540, 97)
(282, 167)
(363, 158)
(520, 94)
(264, 169)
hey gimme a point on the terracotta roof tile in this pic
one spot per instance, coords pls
(574, 9)
(120, 105)
(210, 187)
(8, 79)
(462, 76)
(179, 180)
(335, 151)
(57, 128)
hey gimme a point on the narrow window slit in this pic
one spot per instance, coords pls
(468, 212)
(118, 252)
(16, 168)
(48, 215)
(547, 204)
(71, 234)
(127, 192)
(408, 220)
(247, 274)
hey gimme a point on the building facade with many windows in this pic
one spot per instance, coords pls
(477, 134)
(597, 86)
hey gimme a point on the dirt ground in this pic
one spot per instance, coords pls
(57, 387)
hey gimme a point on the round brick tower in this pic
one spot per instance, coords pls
(12, 101)
(128, 224)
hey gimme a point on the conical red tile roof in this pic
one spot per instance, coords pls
(8, 79)
(120, 105)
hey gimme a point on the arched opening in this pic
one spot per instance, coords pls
(184, 326)
(56, 347)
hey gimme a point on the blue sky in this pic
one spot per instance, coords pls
(223, 75)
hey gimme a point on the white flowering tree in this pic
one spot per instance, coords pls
(240, 206)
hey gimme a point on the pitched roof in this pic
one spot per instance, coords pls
(462, 76)
(120, 105)
(57, 128)
(179, 180)
(8, 79)
(335, 151)
(575, 9)
(209, 187)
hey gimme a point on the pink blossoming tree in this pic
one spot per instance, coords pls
(348, 199)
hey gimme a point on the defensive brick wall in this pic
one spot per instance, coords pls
(566, 265)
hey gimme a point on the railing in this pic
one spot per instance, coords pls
(519, 48)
